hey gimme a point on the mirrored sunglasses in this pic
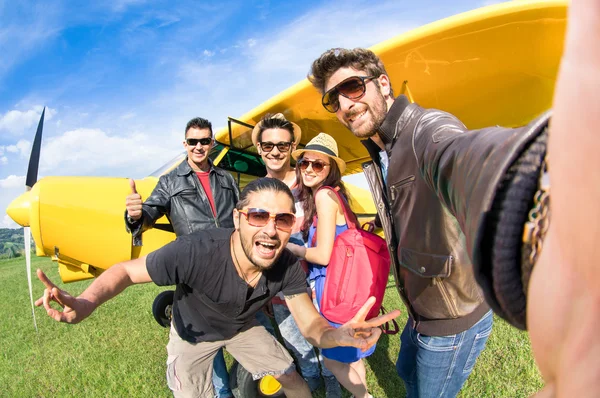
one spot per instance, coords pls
(260, 218)
(317, 165)
(281, 146)
(195, 141)
(353, 88)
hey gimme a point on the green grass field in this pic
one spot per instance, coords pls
(120, 350)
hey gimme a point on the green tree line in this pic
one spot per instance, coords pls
(12, 243)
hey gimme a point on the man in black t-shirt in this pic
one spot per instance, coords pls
(223, 278)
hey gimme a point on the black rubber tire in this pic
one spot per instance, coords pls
(243, 386)
(162, 306)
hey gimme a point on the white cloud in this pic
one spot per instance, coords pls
(12, 181)
(17, 122)
(22, 147)
(86, 151)
(3, 160)
(208, 53)
(7, 222)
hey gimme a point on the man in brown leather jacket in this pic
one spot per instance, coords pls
(431, 180)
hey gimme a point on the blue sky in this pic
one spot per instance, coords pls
(120, 79)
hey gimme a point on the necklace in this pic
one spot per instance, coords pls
(237, 264)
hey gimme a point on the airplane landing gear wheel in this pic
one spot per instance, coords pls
(162, 308)
(243, 386)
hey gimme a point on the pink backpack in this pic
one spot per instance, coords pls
(358, 269)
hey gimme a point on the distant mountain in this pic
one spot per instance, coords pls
(11, 242)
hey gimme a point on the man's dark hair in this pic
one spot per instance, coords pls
(264, 184)
(332, 60)
(270, 122)
(199, 123)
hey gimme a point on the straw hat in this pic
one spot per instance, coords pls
(296, 129)
(325, 144)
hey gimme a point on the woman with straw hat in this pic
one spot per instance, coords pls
(318, 165)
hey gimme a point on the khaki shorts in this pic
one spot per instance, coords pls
(190, 366)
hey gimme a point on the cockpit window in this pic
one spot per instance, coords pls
(236, 161)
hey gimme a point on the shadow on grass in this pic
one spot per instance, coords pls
(384, 369)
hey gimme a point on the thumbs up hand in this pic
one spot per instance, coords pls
(133, 202)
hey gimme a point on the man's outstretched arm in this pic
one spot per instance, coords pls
(112, 282)
(564, 298)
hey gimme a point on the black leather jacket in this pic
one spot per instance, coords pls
(180, 196)
(440, 183)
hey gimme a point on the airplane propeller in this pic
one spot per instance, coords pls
(30, 180)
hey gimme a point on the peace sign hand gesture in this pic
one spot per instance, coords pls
(74, 309)
(360, 333)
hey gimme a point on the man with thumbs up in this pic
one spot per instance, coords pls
(194, 196)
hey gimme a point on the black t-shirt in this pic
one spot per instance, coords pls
(212, 302)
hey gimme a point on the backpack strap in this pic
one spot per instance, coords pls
(351, 219)
(349, 215)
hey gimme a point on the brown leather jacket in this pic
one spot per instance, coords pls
(441, 179)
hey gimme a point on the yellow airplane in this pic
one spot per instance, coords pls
(493, 66)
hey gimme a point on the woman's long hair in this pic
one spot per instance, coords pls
(334, 179)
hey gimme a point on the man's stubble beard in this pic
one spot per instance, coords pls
(247, 248)
(378, 113)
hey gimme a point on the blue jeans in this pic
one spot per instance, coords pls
(438, 366)
(307, 359)
(220, 376)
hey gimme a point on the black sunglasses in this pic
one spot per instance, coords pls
(260, 218)
(317, 165)
(353, 87)
(282, 146)
(195, 141)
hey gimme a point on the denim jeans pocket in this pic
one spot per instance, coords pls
(172, 379)
(437, 343)
(478, 346)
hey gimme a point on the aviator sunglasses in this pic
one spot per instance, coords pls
(353, 88)
(281, 146)
(317, 165)
(195, 141)
(260, 218)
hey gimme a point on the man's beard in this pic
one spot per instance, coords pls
(377, 112)
(259, 263)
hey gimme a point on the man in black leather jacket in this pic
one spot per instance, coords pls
(195, 196)
(431, 180)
